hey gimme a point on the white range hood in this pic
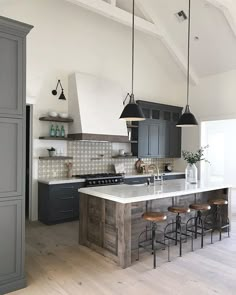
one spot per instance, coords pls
(95, 105)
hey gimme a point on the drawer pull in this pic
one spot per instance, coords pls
(66, 187)
(66, 211)
(69, 198)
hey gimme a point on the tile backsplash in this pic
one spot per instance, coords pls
(92, 157)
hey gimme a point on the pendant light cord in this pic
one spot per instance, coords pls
(189, 39)
(132, 94)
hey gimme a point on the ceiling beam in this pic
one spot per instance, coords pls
(228, 8)
(112, 12)
(148, 11)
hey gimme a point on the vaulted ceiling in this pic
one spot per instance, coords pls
(213, 33)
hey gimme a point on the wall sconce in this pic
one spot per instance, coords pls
(62, 95)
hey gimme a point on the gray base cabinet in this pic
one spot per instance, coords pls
(12, 153)
(58, 203)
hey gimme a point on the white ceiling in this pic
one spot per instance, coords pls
(215, 50)
(213, 22)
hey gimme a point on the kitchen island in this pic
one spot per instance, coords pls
(110, 216)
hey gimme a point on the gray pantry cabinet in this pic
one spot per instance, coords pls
(157, 136)
(12, 153)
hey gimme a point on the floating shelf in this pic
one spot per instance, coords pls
(55, 138)
(56, 119)
(56, 158)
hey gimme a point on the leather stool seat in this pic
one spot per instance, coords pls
(218, 202)
(178, 210)
(200, 207)
(154, 216)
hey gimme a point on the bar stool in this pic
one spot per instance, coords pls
(178, 227)
(154, 218)
(198, 221)
(218, 217)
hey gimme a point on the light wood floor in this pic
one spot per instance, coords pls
(55, 264)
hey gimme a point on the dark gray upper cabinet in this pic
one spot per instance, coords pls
(11, 147)
(158, 136)
(11, 48)
(12, 153)
(143, 139)
(12, 61)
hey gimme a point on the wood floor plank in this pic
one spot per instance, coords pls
(57, 265)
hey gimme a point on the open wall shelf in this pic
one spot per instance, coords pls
(56, 119)
(55, 138)
(56, 158)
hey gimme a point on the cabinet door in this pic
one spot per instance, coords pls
(11, 151)
(143, 140)
(175, 141)
(11, 240)
(12, 75)
(154, 139)
(164, 139)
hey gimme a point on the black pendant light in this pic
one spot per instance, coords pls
(132, 111)
(188, 119)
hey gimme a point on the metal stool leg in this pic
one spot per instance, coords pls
(176, 228)
(154, 227)
(228, 228)
(220, 222)
(180, 241)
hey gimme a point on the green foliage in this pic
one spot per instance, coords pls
(193, 158)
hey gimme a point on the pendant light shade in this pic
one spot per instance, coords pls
(188, 119)
(132, 111)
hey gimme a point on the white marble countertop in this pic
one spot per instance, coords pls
(60, 180)
(149, 174)
(137, 193)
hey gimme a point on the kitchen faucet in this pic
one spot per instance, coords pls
(158, 176)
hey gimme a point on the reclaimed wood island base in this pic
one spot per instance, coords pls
(110, 216)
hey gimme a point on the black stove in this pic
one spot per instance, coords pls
(101, 179)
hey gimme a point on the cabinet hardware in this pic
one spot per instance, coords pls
(69, 198)
(66, 211)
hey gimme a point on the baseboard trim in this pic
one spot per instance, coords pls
(13, 286)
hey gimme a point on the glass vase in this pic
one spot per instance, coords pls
(191, 173)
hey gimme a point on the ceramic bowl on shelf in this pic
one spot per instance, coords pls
(63, 115)
(52, 114)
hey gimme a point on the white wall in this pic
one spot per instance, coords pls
(219, 135)
(212, 99)
(68, 39)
